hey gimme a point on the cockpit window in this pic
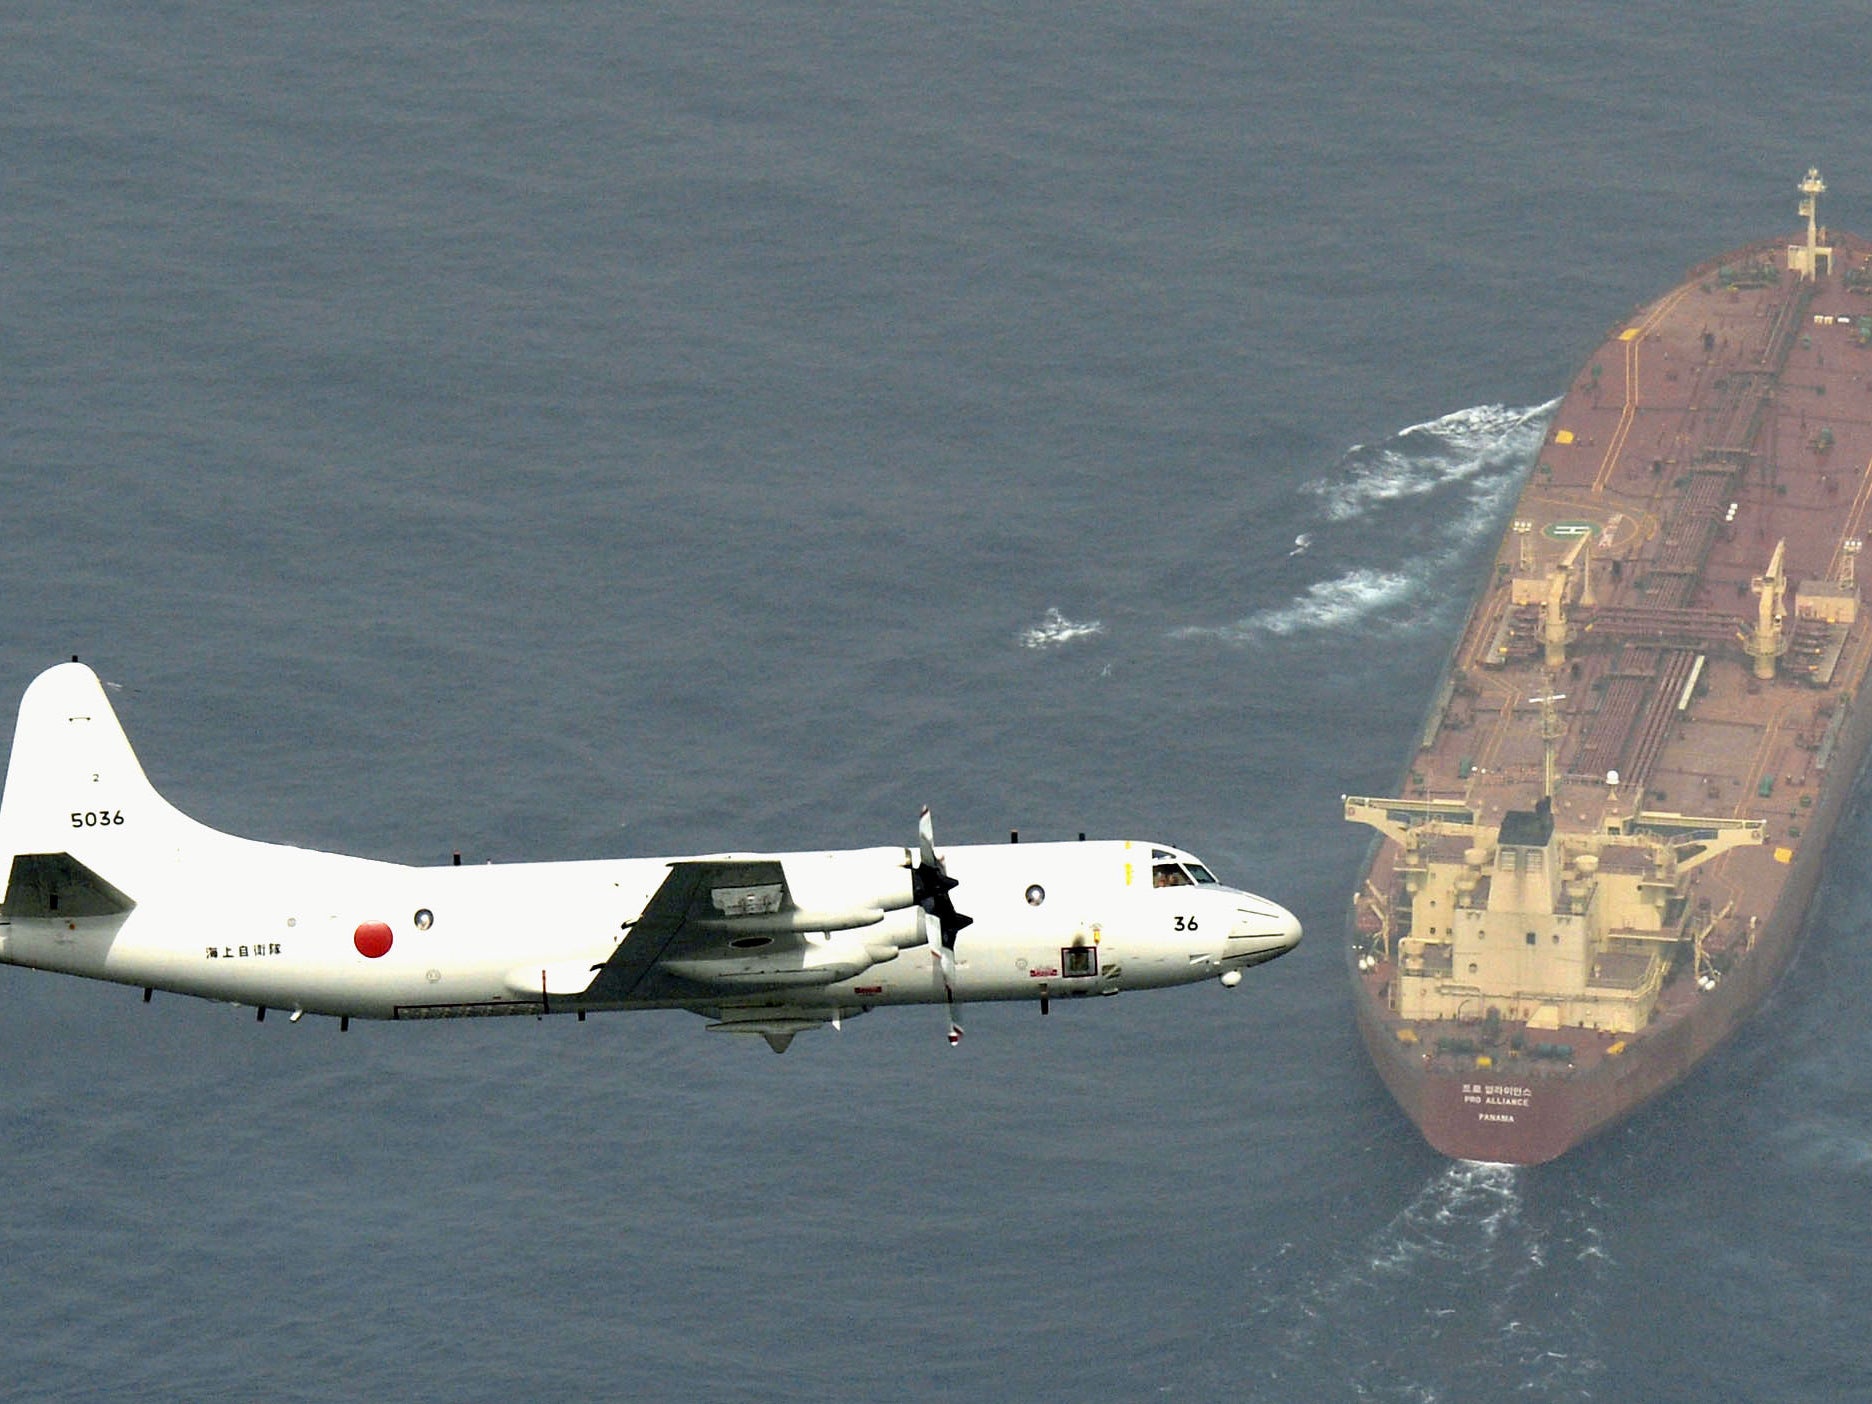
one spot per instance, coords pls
(1169, 875)
(1204, 878)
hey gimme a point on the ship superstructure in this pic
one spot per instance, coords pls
(1608, 834)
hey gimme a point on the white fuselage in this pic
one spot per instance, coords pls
(106, 879)
(278, 927)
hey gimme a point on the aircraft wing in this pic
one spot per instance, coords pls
(661, 926)
(720, 926)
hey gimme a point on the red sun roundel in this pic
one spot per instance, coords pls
(372, 939)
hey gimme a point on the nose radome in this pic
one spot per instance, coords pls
(1290, 927)
(1266, 926)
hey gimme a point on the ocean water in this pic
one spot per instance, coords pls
(539, 430)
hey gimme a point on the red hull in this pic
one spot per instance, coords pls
(1497, 1090)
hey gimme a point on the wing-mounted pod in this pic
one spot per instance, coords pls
(750, 925)
(755, 960)
(815, 892)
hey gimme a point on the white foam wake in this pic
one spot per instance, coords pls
(1456, 448)
(1326, 604)
(1461, 1290)
(1417, 503)
(1056, 630)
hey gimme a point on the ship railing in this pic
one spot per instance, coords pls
(1824, 753)
(1788, 321)
(1476, 899)
(1637, 936)
(1630, 973)
(1395, 818)
(1433, 722)
(1694, 828)
(1429, 967)
(1659, 627)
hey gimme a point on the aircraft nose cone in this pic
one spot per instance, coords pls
(1291, 929)
(1263, 930)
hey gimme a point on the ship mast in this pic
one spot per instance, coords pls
(1554, 616)
(1550, 731)
(1806, 261)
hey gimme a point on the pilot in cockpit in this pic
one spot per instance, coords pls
(1169, 875)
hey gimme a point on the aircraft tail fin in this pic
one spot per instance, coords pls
(76, 797)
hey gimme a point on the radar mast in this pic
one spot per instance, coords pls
(1806, 260)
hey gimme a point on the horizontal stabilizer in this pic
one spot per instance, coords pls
(57, 885)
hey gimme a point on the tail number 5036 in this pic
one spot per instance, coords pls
(96, 818)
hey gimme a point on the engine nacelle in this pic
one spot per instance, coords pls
(824, 960)
(866, 879)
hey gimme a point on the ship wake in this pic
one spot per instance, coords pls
(1463, 1288)
(1471, 447)
(1411, 509)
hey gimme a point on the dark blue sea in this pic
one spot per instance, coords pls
(541, 430)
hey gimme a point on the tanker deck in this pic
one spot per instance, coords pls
(1604, 845)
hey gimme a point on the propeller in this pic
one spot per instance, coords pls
(930, 886)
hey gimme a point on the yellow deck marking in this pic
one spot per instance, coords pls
(1838, 568)
(1630, 337)
(1759, 765)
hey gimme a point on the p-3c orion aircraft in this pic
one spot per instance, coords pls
(106, 879)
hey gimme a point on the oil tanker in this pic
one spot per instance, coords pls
(1600, 854)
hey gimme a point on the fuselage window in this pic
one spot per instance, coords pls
(1077, 962)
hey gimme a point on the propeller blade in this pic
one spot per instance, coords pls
(931, 885)
(942, 962)
(926, 840)
(942, 951)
